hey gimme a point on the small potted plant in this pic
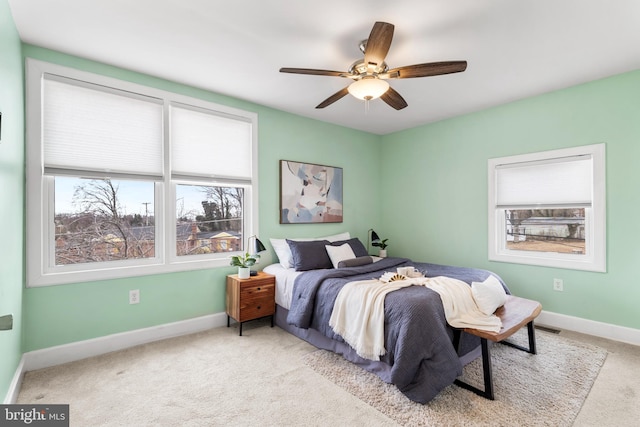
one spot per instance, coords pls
(243, 262)
(382, 244)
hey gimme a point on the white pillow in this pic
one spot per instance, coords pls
(340, 253)
(281, 247)
(489, 295)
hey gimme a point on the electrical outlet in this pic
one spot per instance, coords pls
(558, 285)
(134, 296)
(6, 322)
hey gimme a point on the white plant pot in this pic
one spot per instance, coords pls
(244, 272)
(383, 253)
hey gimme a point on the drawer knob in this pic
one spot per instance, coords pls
(259, 307)
(258, 288)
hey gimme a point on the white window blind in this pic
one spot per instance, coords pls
(555, 182)
(210, 145)
(86, 128)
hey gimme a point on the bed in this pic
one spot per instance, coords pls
(420, 358)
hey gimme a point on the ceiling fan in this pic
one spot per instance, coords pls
(369, 75)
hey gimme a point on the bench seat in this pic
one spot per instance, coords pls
(514, 314)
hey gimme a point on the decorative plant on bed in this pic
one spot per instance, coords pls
(243, 262)
(382, 244)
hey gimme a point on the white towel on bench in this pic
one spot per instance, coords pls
(460, 308)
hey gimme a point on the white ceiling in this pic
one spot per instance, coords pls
(514, 48)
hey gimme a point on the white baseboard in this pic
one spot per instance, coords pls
(60, 354)
(14, 388)
(590, 327)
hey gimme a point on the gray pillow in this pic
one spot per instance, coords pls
(356, 245)
(355, 262)
(310, 255)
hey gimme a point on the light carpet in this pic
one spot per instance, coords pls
(546, 389)
(212, 378)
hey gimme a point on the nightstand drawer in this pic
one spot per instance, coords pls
(251, 290)
(256, 309)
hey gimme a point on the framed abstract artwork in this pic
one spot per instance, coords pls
(310, 193)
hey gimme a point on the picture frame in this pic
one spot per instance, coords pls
(310, 193)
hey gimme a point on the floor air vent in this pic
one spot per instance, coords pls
(550, 330)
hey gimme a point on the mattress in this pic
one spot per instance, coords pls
(285, 277)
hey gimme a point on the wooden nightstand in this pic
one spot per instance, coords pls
(252, 298)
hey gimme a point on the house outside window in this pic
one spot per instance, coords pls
(126, 180)
(549, 208)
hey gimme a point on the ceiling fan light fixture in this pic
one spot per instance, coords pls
(368, 88)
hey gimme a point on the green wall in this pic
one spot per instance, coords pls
(62, 314)
(11, 195)
(430, 200)
(440, 171)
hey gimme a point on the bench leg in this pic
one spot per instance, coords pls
(532, 340)
(486, 360)
(487, 373)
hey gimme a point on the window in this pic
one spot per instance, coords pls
(93, 224)
(126, 180)
(549, 209)
(209, 219)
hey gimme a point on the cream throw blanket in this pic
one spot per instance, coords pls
(358, 313)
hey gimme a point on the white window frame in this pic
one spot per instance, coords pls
(595, 216)
(41, 268)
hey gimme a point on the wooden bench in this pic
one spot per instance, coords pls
(515, 313)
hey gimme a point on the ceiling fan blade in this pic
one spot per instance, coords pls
(428, 69)
(313, 71)
(333, 98)
(378, 43)
(394, 99)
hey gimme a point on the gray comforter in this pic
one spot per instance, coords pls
(417, 338)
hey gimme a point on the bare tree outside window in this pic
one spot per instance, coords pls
(96, 223)
(99, 220)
